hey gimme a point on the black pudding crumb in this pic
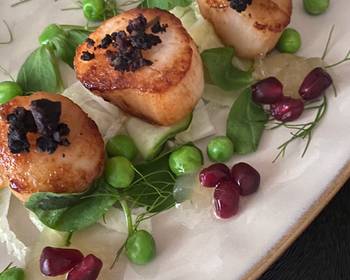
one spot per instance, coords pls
(90, 42)
(46, 144)
(106, 41)
(87, 56)
(240, 5)
(159, 28)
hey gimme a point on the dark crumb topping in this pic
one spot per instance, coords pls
(240, 5)
(128, 45)
(90, 42)
(158, 28)
(21, 122)
(86, 56)
(42, 118)
(106, 41)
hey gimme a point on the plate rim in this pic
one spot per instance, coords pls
(300, 226)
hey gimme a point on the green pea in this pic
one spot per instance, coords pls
(51, 32)
(94, 9)
(220, 149)
(290, 41)
(119, 172)
(13, 273)
(185, 160)
(140, 247)
(9, 90)
(316, 7)
(121, 145)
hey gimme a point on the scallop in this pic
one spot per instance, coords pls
(163, 93)
(252, 32)
(70, 169)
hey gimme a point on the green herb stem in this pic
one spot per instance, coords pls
(302, 131)
(6, 72)
(19, 3)
(328, 43)
(128, 217)
(10, 40)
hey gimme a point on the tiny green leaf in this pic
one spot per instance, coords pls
(40, 72)
(222, 73)
(246, 123)
(63, 40)
(153, 187)
(12, 273)
(77, 213)
(165, 4)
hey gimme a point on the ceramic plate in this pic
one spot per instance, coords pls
(293, 189)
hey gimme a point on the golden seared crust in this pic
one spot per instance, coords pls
(163, 93)
(253, 32)
(98, 75)
(69, 169)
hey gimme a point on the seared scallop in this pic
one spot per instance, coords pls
(252, 32)
(164, 90)
(70, 168)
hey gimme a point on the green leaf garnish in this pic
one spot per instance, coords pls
(246, 123)
(222, 73)
(40, 72)
(12, 273)
(69, 213)
(165, 4)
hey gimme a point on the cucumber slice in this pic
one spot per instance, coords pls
(150, 139)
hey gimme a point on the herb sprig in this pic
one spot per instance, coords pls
(10, 40)
(302, 131)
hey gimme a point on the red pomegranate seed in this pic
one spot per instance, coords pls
(267, 91)
(88, 269)
(209, 177)
(246, 178)
(226, 199)
(288, 109)
(58, 261)
(315, 84)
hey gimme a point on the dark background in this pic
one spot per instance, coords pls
(322, 252)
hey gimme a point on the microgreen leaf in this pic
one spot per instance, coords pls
(246, 123)
(40, 72)
(222, 73)
(12, 273)
(77, 213)
(153, 187)
(165, 4)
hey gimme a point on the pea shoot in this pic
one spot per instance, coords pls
(316, 7)
(290, 41)
(119, 172)
(94, 10)
(121, 145)
(12, 273)
(220, 149)
(9, 90)
(185, 160)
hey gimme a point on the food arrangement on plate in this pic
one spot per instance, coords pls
(122, 140)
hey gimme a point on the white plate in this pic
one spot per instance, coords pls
(293, 190)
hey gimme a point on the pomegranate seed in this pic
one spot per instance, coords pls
(88, 269)
(209, 177)
(288, 109)
(267, 91)
(246, 178)
(315, 84)
(226, 199)
(57, 261)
